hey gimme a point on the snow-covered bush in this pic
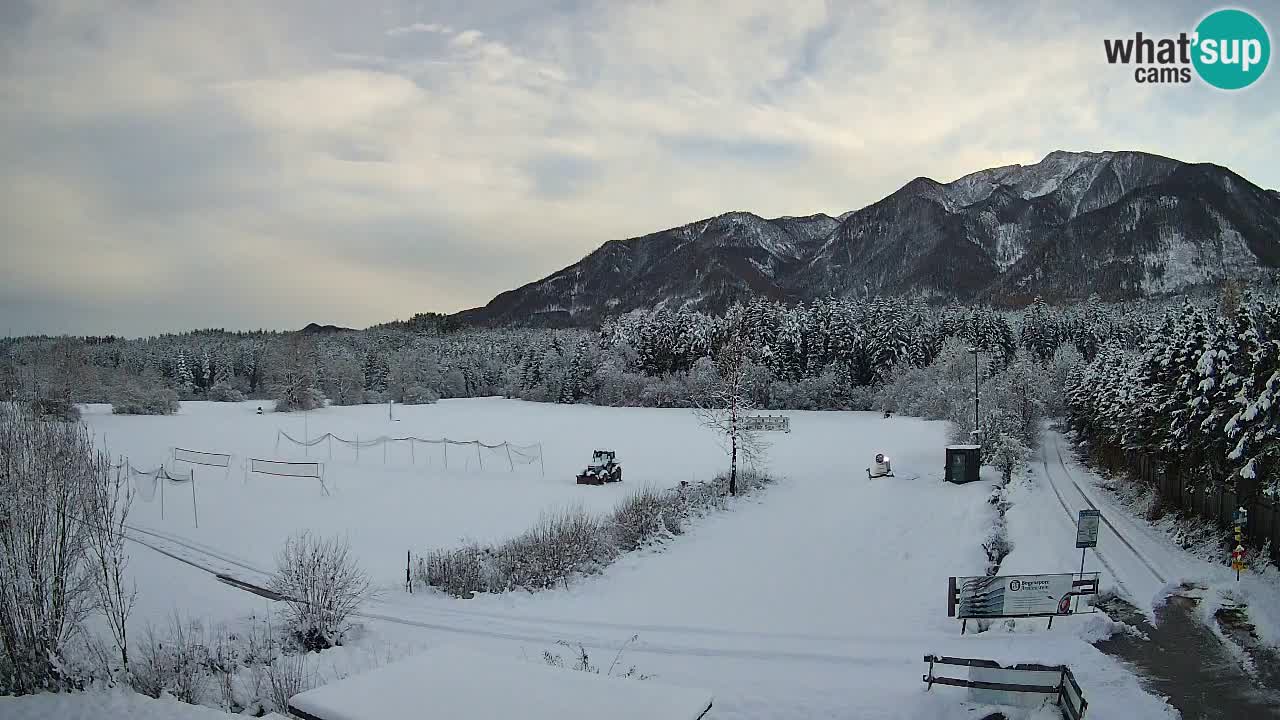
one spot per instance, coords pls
(225, 392)
(55, 407)
(645, 515)
(132, 399)
(287, 676)
(571, 542)
(322, 584)
(419, 395)
(175, 663)
(292, 399)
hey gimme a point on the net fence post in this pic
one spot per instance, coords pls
(510, 464)
(384, 440)
(413, 451)
(278, 431)
(195, 509)
(161, 483)
(357, 448)
(446, 453)
(478, 458)
(329, 437)
(541, 464)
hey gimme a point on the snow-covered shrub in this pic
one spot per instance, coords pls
(323, 585)
(645, 515)
(292, 399)
(224, 392)
(560, 545)
(419, 395)
(55, 407)
(176, 663)
(460, 571)
(572, 542)
(287, 676)
(133, 399)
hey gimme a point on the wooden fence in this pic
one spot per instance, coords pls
(1212, 503)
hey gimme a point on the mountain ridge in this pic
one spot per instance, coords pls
(1122, 224)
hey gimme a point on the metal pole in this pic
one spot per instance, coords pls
(306, 434)
(195, 510)
(1076, 603)
(975, 391)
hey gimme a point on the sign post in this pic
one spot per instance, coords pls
(1239, 519)
(1087, 534)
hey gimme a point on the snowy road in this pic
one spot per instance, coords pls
(1137, 560)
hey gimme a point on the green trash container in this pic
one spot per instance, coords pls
(963, 463)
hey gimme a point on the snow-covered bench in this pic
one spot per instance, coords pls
(447, 682)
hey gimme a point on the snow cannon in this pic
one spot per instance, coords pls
(880, 467)
(603, 469)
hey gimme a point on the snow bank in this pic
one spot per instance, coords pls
(119, 704)
(453, 682)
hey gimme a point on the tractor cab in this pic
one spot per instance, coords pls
(603, 468)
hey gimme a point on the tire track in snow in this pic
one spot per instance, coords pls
(520, 628)
(1053, 486)
(1158, 575)
(1110, 566)
(531, 636)
(199, 548)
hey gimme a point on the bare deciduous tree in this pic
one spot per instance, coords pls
(111, 499)
(725, 405)
(322, 585)
(47, 475)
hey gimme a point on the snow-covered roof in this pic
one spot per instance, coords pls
(456, 683)
(964, 447)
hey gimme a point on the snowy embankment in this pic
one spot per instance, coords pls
(818, 598)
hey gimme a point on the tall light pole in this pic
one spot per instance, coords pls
(974, 350)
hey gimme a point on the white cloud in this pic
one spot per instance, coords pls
(432, 175)
(421, 28)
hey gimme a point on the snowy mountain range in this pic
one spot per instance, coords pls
(1120, 224)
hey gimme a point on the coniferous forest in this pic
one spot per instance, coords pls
(1194, 380)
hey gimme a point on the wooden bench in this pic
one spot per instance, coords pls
(1015, 685)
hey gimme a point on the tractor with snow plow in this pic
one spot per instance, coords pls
(604, 468)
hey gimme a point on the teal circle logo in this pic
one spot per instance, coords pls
(1232, 49)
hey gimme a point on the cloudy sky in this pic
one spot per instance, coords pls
(242, 164)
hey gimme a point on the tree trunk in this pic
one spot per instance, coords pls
(733, 455)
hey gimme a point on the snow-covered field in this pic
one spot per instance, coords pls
(816, 598)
